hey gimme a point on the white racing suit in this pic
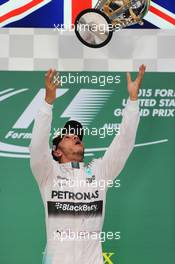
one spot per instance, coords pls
(74, 201)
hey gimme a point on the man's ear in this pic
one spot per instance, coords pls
(57, 153)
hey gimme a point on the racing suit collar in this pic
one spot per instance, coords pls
(73, 165)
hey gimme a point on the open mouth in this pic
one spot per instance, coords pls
(77, 143)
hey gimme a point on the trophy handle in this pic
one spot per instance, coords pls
(100, 4)
(115, 12)
(105, 6)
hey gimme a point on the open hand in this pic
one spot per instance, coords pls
(51, 84)
(134, 86)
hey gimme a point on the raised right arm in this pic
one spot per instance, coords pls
(41, 160)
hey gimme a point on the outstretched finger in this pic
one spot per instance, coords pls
(56, 80)
(51, 74)
(141, 73)
(128, 75)
(48, 73)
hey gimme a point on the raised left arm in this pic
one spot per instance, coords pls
(114, 159)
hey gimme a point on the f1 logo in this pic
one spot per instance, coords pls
(107, 257)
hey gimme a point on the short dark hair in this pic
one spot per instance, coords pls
(71, 126)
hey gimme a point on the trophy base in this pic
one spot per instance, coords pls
(93, 28)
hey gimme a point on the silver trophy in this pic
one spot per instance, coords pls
(94, 27)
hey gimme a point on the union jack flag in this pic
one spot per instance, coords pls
(162, 14)
(46, 13)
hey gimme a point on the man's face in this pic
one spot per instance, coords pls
(71, 145)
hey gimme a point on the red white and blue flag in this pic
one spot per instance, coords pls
(47, 13)
(162, 14)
